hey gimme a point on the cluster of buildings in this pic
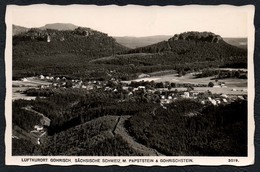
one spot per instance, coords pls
(115, 86)
(63, 82)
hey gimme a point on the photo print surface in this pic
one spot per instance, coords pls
(129, 85)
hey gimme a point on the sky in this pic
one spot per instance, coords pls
(131, 20)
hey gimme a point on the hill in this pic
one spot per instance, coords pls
(19, 29)
(56, 26)
(135, 42)
(59, 52)
(60, 26)
(185, 52)
(196, 47)
(89, 54)
(79, 41)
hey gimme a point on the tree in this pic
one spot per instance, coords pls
(237, 74)
(68, 84)
(211, 84)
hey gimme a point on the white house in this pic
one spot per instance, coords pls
(135, 89)
(214, 102)
(224, 95)
(141, 88)
(38, 128)
(48, 38)
(162, 97)
(24, 79)
(42, 77)
(186, 94)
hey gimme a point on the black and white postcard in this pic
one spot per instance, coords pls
(129, 85)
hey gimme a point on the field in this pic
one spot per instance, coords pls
(190, 78)
(233, 86)
(20, 86)
(227, 91)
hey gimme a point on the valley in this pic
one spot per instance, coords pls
(78, 92)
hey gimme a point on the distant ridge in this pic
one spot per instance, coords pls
(84, 41)
(238, 42)
(190, 47)
(55, 26)
(19, 29)
(60, 26)
(135, 42)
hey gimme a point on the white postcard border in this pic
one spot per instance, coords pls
(126, 160)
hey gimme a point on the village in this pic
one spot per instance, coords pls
(160, 92)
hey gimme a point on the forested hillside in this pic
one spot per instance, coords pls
(187, 127)
(60, 52)
(88, 54)
(186, 52)
(197, 47)
(84, 122)
(81, 41)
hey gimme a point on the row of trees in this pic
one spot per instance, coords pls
(169, 85)
(221, 74)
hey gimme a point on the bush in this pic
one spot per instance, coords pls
(211, 84)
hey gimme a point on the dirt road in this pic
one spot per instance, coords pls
(120, 130)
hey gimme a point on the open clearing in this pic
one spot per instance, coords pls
(190, 78)
(20, 86)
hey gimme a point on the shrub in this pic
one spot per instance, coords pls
(211, 84)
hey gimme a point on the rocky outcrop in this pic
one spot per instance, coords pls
(197, 36)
